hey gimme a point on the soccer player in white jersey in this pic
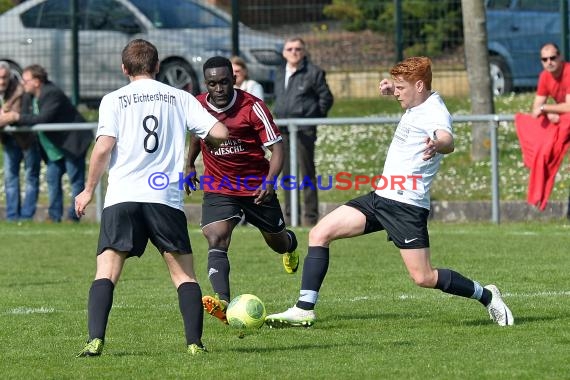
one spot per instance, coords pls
(141, 138)
(227, 195)
(423, 135)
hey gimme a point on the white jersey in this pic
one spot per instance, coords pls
(149, 120)
(407, 177)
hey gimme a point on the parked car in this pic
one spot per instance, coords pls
(185, 32)
(516, 30)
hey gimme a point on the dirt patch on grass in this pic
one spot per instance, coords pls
(335, 49)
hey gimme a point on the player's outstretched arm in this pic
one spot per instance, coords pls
(190, 170)
(441, 142)
(444, 140)
(98, 163)
(277, 158)
(217, 135)
(275, 165)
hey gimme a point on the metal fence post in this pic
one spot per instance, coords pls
(293, 129)
(495, 207)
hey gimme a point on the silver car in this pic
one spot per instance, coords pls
(185, 32)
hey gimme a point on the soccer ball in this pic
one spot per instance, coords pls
(246, 311)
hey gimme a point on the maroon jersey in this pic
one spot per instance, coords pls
(239, 165)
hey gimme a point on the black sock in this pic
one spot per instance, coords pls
(293, 239)
(454, 283)
(99, 307)
(219, 272)
(315, 268)
(486, 297)
(190, 303)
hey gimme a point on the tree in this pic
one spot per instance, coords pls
(477, 62)
(5, 5)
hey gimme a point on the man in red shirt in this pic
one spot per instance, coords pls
(554, 82)
(544, 135)
(238, 180)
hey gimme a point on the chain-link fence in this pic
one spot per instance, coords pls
(355, 41)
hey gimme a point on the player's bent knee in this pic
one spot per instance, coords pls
(320, 236)
(218, 241)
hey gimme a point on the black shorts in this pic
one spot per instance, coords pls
(267, 216)
(405, 224)
(127, 227)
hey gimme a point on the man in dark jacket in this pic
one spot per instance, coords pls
(64, 151)
(301, 91)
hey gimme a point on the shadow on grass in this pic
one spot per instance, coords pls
(333, 320)
(38, 283)
(518, 320)
(129, 353)
(288, 348)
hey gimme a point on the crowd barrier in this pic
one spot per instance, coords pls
(294, 125)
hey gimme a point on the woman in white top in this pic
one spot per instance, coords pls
(242, 80)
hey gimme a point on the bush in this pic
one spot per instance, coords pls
(5, 5)
(429, 27)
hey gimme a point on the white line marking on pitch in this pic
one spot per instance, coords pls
(31, 310)
(561, 293)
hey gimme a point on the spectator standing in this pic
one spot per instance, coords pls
(544, 135)
(63, 151)
(243, 82)
(301, 91)
(141, 134)
(18, 147)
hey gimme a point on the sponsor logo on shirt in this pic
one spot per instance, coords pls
(229, 147)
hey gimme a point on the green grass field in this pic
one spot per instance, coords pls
(373, 322)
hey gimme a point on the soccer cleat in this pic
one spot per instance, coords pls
(291, 262)
(93, 348)
(215, 307)
(194, 349)
(293, 317)
(498, 310)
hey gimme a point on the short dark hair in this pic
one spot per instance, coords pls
(37, 72)
(553, 45)
(140, 57)
(218, 61)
